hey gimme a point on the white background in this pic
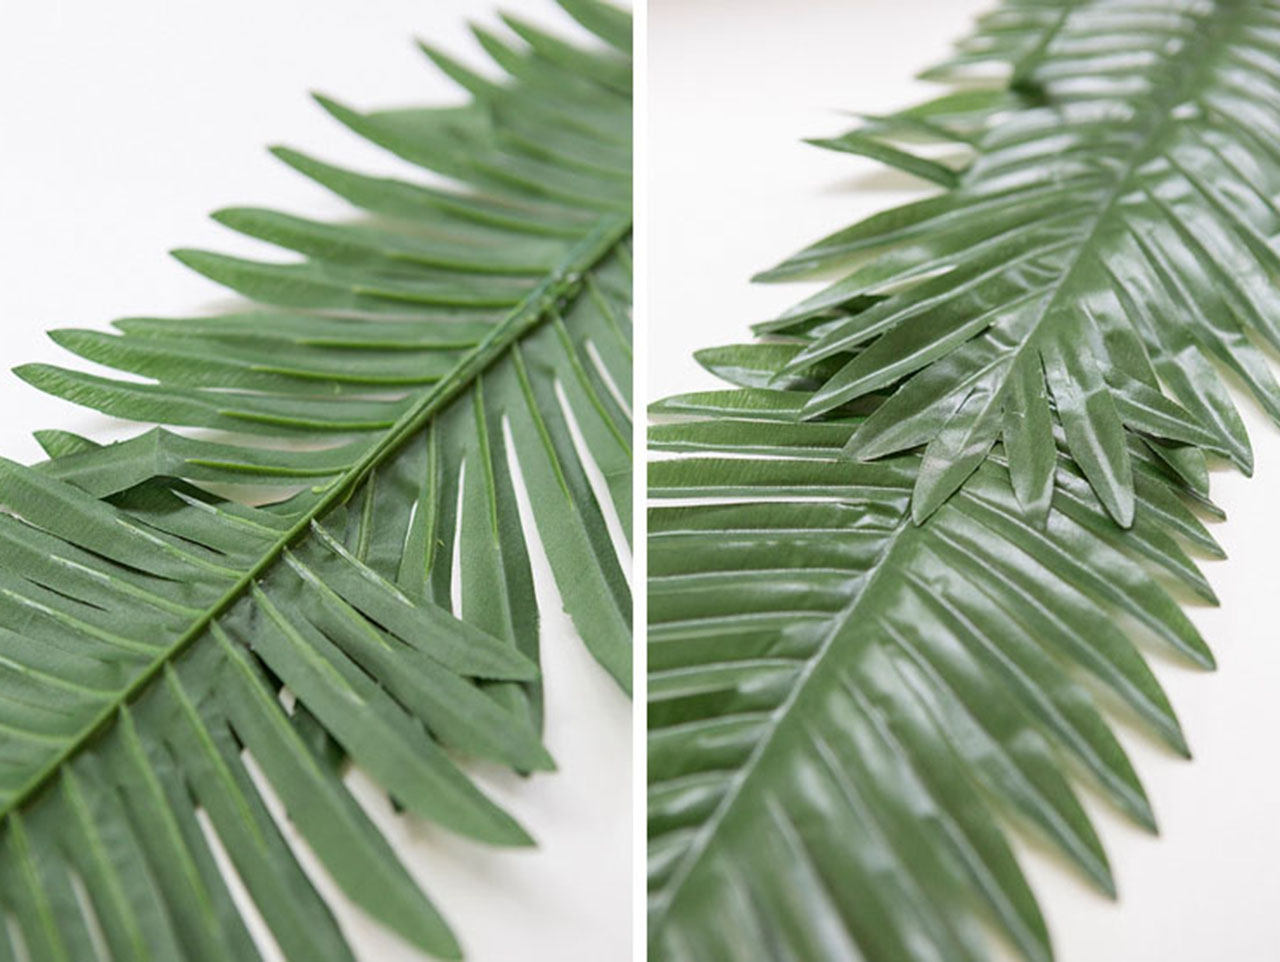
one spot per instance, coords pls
(733, 86)
(122, 125)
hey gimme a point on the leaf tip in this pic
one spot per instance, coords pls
(228, 216)
(1123, 510)
(543, 761)
(64, 336)
(1109, 888)
(335, 109)
(1144, 815)
(285, 153)
(518, 837)
(34, 373)
(819, 404)
(433, 53)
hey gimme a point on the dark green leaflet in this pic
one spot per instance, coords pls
(402, 378)
(862, 667)
(845, 705)
(1104, 250)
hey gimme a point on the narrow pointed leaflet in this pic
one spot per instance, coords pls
(165, 652)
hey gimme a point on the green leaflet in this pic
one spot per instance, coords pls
(862, 669)
(845, 705)
(1107, 247)
(398, 379)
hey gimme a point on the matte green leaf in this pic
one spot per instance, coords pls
(168, 654)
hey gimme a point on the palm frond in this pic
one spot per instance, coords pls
(405, 378)
(848, 709)
(1106, 249)
(866, 672)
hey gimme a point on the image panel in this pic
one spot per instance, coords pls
(947, 405)
(315, 544)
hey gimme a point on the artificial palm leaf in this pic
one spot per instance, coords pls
(405, 378)
(848, 708)
(866, 671)
(1106, 249)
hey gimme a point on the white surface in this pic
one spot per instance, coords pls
(734, 85)
(121, 126)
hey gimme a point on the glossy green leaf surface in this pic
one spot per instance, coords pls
(1104, 252)
(846, 706)
(164, 650)
(905, 571)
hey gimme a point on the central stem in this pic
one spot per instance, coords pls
(608, 232)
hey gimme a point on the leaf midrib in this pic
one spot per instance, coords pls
(781, 715)
(1163, 119)
(1202, 50)
(536, 307)
(1143, 150)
